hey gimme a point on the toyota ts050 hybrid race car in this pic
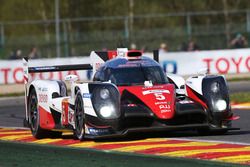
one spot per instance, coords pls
(129, 93)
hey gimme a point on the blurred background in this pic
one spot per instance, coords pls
(64, 28)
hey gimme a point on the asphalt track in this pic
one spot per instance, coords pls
(239, 86)
(12, 114)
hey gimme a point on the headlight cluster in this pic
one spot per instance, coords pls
(104, 93)
(215, 87)
(106, 101)
(219, 103)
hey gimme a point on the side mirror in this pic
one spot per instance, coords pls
(203, 71)
(71, 78)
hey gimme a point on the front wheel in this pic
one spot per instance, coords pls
(79, 130)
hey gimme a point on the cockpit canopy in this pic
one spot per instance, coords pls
(124, 72)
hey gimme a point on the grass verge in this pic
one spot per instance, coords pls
(242, 97)
(12, 94)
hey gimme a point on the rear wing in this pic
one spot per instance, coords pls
(29, 70)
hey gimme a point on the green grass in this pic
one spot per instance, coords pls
(242, 97)
(12, 94)
(236, 79)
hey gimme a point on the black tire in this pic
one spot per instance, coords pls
(34, 116)
(79, 116)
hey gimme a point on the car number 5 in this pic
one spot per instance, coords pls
(159, 96)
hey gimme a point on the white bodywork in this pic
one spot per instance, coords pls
(88, 106)
(195, 83)
(44, 90)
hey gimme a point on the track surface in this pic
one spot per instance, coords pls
(240, 86)
(12, 114)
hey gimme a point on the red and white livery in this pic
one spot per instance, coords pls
(129, 93)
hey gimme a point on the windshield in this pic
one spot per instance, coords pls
(135, 75)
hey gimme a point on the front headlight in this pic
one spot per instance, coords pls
(104, 94)
(221, 105)
(107, 111)
(106, 101)
(215, 87)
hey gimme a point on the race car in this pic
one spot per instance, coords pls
(128, 93)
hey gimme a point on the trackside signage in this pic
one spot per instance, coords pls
(218, 61)
(183, 63)
(11, 71)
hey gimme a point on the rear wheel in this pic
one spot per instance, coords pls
(34, 119)
(34, 116)
(79, 130)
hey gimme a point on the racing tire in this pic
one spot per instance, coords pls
(79, 117)
(34, 116)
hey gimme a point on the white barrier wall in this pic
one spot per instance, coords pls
(11, 71)
(183, 63)
(233, 61)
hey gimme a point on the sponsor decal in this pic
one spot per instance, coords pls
(162, 102)
(165, 108)
(155, 91)
(71, 117)
(44, 68)
(95, 131)
(43, 98)
(155, 87)
(86, 95)
(186, 102)
(65, 112)
(44, 89)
